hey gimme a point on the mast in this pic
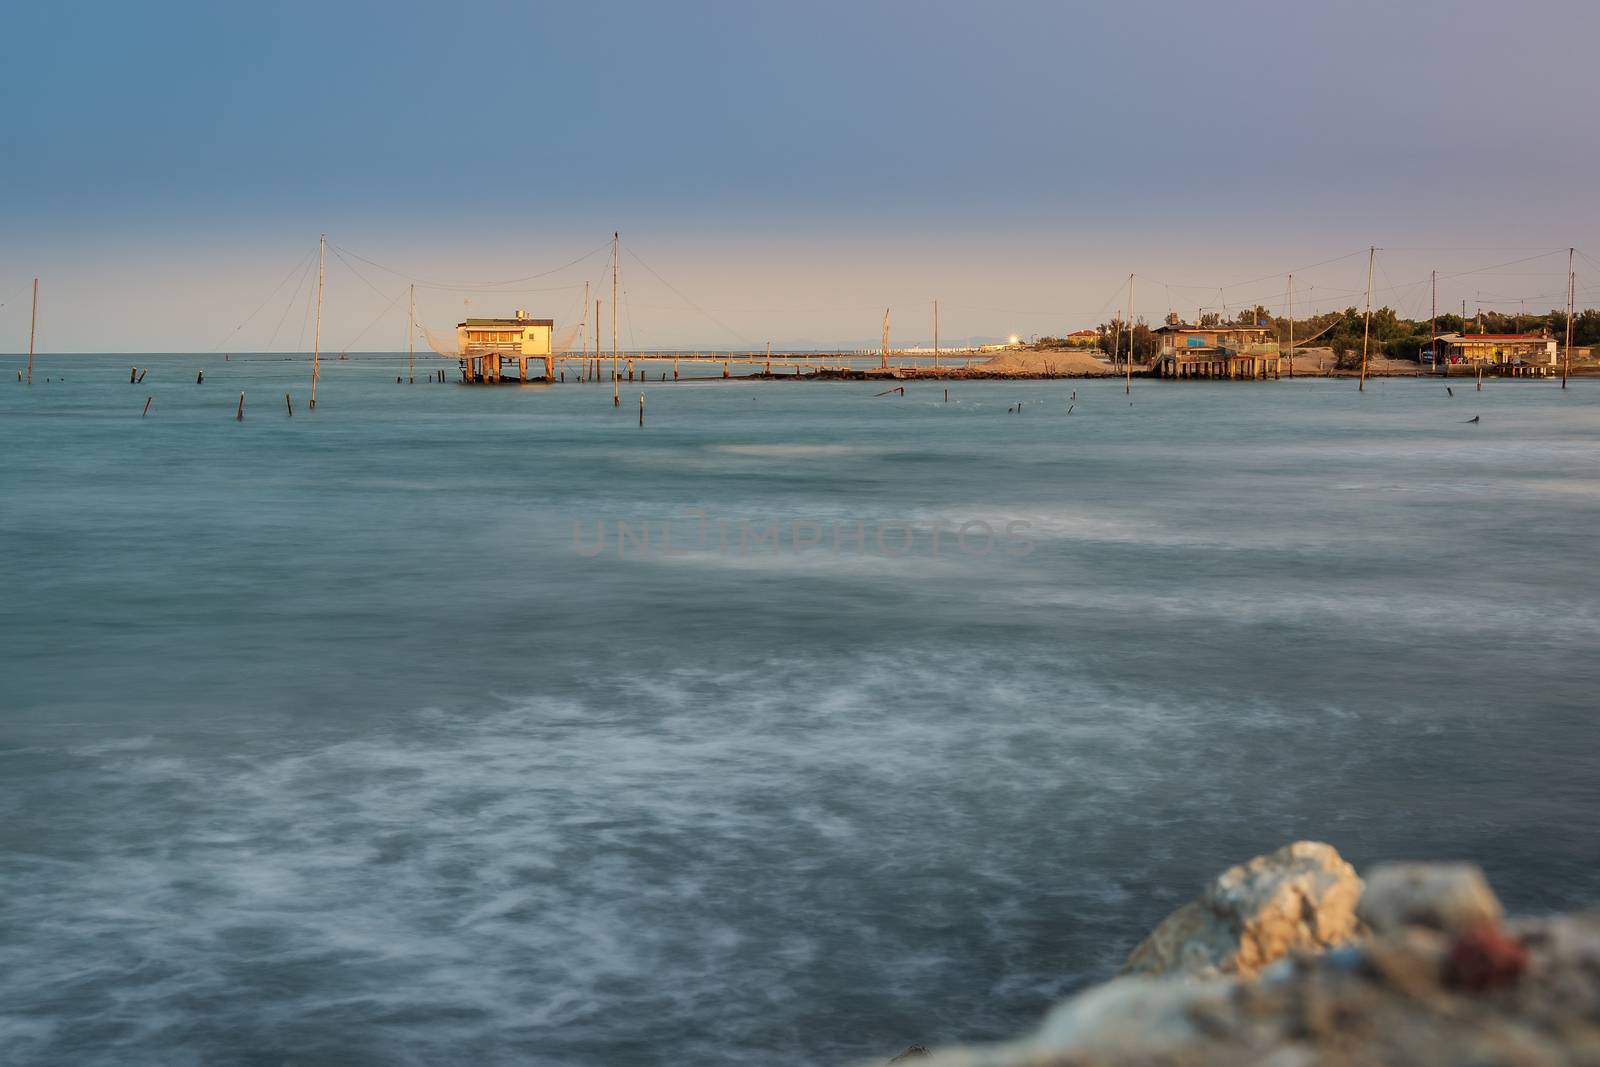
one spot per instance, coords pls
(583, 309)
(597, 339)
(316, 337)
(936, 335)
(411, 340)
(1290, 309)
(1566, 361)
(33, 327)
(1433, 321)
(1366, 329)
(885, 363)
(1127, 387)
(616, 245)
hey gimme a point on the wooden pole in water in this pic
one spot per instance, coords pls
(1433, 321)
(1127, 388)
(597, 339)
(616, 387)
(288, 404)
(146, 406)
(641, 410)
(1290, 309)
(316, 337)
(616, 246)
(33, 327)
(1566, 362)
(1366, 330)
(411, 340)
(240, 415)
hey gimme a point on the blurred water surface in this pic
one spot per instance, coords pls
(326, 740)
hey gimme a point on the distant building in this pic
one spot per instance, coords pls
(1216, 351)
(484, 345)
(1493, 349)
(1083, 338)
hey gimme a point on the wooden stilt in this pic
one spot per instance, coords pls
(33, 327)
(146, 406)
(240, 415)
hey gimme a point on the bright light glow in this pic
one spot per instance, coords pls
(1015, 339)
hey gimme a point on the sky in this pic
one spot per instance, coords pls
(780, 171)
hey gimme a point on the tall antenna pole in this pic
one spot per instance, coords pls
(885, 338)
(1290, 309)
(411, 340)
(33, 327)
(936, 335)
(616, 246)
(597, 339)
(1566, 362)
(583, 310)
(1366, 330)
(316, 337)
(1127, 387)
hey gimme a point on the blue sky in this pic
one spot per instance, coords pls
(787, 169)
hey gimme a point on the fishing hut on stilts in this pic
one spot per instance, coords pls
(489, 348)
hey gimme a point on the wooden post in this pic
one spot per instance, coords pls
(411, 339)
(1290, 309)
(616, 395)
(1127, 388)
(936, 340)
(885, 362)
(1480, 376)
(1366, 330)
(288, 404)
(142, 374)
(33, 326)
(947, 396)
(316, 337)
(616, 252)
(240, 415)
(147, 406)
(674, 368)
(1566, 362)
(641, 410)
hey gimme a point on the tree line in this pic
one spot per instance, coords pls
(1342, 331)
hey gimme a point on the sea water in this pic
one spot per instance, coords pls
(458, 724)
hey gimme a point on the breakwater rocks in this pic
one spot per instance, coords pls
(1292, 960)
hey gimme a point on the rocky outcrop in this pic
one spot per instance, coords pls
(1300, 898)
(1433, 977)
(1440, 896)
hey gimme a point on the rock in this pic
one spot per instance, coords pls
(912, 1052)
(1300, 898)
(1484, 958)
(1451, 897)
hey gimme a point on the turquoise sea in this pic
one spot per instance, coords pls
(476, 725)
